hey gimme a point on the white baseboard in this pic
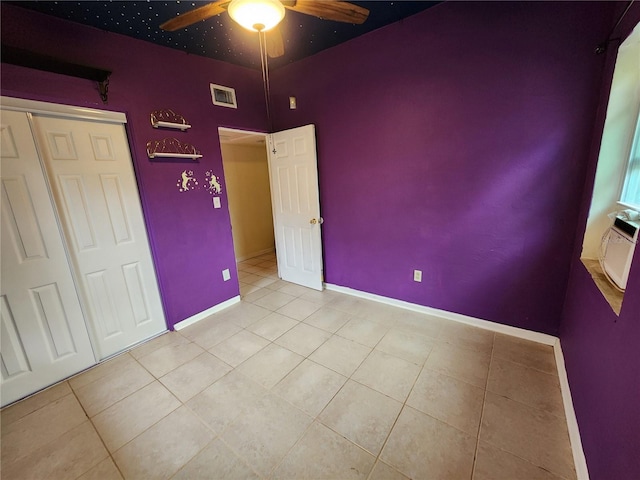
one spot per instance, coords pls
(255, 254)
(579, 460)
(456, 317)
(207, 313)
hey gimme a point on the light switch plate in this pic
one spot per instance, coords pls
(417, 275)
(226, 275)
(216, 202)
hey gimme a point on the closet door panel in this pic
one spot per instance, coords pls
(92, 176)
(44, 336)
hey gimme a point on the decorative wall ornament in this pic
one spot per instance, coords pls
(171, 148)
(212, 183)
(169, 119)
(187, 181)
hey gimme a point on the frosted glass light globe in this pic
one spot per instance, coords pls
(256, 15)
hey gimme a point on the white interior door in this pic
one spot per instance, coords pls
(92, 177)
(293, 167)
(44, 337)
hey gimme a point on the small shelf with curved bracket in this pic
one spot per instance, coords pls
(169, 119)
(175, 155)
(171, 148)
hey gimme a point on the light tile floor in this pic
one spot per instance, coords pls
(294, 384)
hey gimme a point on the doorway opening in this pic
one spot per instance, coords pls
(246, 171)
(285, 201)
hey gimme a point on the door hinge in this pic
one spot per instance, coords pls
(273, 147)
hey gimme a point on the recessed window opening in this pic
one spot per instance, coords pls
(613, 224)
(630, 196)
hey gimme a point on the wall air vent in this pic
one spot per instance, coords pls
(223, 96)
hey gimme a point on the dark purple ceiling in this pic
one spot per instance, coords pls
(220, 37)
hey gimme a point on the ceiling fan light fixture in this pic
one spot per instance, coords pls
(256, 15)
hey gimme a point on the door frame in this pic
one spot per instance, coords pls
(254, 133)
(267, 137)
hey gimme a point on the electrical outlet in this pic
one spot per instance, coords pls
(417, 275)
(226, 275)
(216, 202)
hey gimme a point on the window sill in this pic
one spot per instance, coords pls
(614, 297)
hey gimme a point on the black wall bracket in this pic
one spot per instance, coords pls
(25, 58)
(603, 46)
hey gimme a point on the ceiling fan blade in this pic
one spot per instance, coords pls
(336, 10)
(201, 13)
(275, 44)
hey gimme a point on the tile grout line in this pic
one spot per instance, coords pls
(20, 458)
(435, 339)
(504, 358)
(103, 378)
(122, 399)
(316, 417)
(90, 420)
(484, 400)
(520, 403)
(181, 404)
(216, 436)
(237, 454)
(377, 458)
(273, 470)
(350, 378)
(404, 404)
(268, 391)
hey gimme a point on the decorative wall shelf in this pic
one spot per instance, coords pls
(178, 126)
(171, 148)
(169, 119)
(175, 155)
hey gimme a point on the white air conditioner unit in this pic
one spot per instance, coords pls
(620, 247)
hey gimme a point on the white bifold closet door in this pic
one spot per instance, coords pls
(77, 281)
(44, 337)
(93, 182)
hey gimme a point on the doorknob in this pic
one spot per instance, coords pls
(313, 221)
(319, 221)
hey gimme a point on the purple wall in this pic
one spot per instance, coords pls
(602, 356)
(191, 242)
(602, 350)
(454, 142)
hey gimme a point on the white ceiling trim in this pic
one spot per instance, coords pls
(240, 137)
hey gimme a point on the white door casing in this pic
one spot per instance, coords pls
(93, 182)
(296, 205)
(43, 333)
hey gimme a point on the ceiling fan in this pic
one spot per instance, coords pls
(248, 14)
